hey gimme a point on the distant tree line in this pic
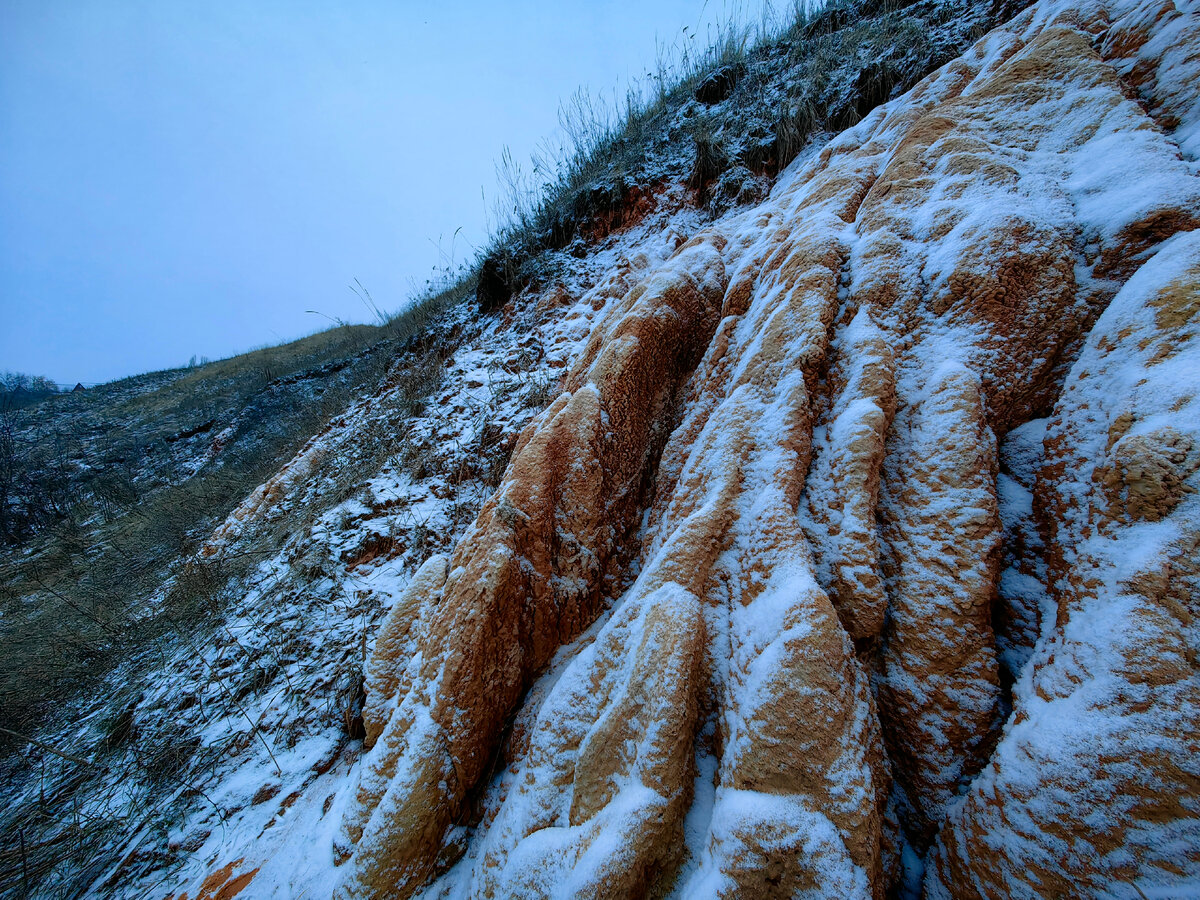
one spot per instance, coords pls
(34, 486)
(21, 389)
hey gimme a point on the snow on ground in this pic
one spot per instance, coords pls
(271, 685)
(262, 702)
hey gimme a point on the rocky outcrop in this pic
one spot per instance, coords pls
(760, 588)
(265, 500)
(938, 679)
(1022, 597)
(528, 576)
(842, 493)
(1095, 782)
(397, 641)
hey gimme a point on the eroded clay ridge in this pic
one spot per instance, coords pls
(910, 455)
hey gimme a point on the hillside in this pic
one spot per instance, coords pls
(835, 536)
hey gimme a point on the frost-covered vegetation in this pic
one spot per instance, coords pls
(108, 495)
(724, 120)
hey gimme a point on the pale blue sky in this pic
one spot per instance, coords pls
(182, 178)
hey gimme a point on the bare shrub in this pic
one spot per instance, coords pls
(710, 159)
(798, 122)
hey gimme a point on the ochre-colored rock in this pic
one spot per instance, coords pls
(842, 492)
(795, 748)
(527, 576)
(603, 788)
(223, 884)
(1095, 787)
(938, 683)
(264, 499)
(389, 671)
(1022, 600)
(758, 590)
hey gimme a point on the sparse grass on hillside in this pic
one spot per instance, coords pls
(114, 581)
(746, 104)
(129, 510)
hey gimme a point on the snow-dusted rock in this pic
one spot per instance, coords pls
(743, 616)
(528, 576)
(1093, 789)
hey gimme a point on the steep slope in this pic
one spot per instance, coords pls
(811, 402)
(843, 546)
(212, 757)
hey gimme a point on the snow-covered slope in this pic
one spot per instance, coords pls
(799, 690)
(856, 552)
